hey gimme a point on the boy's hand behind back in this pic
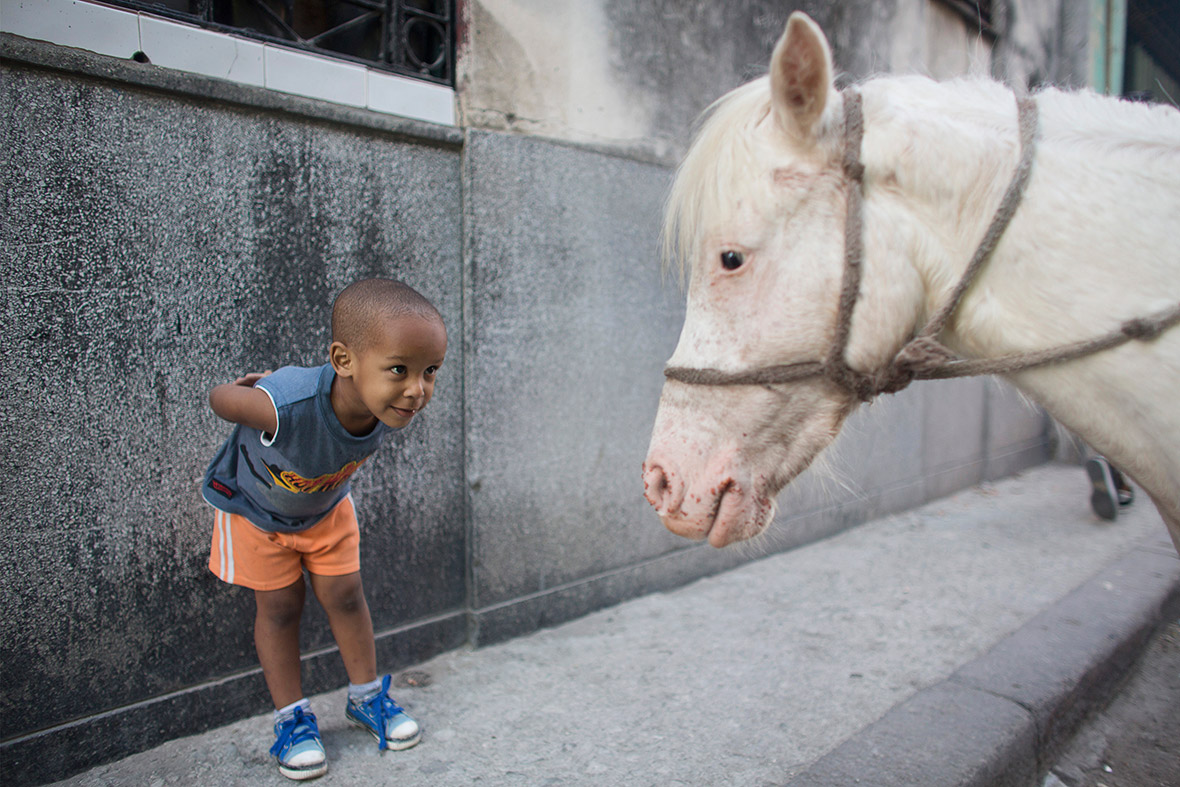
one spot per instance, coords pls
(241, 403)
(248, 380)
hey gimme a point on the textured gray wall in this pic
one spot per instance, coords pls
(569, 327)
(570, 322)
(164, 233)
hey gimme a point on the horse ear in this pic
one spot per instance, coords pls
(800, 77)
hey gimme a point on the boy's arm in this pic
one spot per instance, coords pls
(242, 403)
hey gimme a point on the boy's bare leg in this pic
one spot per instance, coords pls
(276, 638)
(343, 599)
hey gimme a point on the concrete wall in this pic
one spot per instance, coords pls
(635, 74)
(165, 232)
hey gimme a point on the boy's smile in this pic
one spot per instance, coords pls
(392, 377)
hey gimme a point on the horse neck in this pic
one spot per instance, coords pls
(1091, 245)
(941, 156)
(938, 158)
(933, 153)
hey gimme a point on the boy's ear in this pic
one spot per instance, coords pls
(341, 359)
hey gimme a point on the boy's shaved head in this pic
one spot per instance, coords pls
(362, 304)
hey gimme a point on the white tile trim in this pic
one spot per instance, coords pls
(304, 74)
(398, 95)
(198, 51)
(96, 28)
(169, 44)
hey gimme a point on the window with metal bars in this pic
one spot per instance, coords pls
(409, 37)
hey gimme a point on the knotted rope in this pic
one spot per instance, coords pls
(923, 357)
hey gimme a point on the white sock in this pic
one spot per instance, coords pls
(360, 691)
(287, 712)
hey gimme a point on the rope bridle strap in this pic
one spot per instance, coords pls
(923, 357)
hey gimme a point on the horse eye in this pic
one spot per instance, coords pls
(732, 260)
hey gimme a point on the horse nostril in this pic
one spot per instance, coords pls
(660, 488)
(656, 482)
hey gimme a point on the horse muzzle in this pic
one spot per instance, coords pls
(718, 507)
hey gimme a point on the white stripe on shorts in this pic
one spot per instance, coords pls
(228, 555)
(221, 544)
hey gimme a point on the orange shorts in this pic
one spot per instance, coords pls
(244, 554)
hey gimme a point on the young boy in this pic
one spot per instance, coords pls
(280, 486)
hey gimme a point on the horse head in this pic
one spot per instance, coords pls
(757, 216)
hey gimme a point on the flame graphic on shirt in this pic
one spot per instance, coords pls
(293, 482)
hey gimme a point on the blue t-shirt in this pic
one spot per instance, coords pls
(288, 481)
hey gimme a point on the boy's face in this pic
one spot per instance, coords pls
(393, 377)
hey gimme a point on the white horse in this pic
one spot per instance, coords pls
(769, 363)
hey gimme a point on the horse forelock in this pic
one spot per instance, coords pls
(730, 162)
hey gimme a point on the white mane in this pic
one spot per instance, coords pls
(973, 120)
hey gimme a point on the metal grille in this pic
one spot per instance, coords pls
(414, 38)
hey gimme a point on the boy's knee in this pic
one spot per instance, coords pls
(281, 617)
(342, 595)
(280, 609)
(350, 604)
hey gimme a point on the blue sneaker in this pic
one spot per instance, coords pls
(298, 747)
(384, 720)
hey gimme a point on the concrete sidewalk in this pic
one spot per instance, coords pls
(954, 644)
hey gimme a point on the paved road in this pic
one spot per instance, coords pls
(1135, 742)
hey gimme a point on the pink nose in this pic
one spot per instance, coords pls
(663, 489)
